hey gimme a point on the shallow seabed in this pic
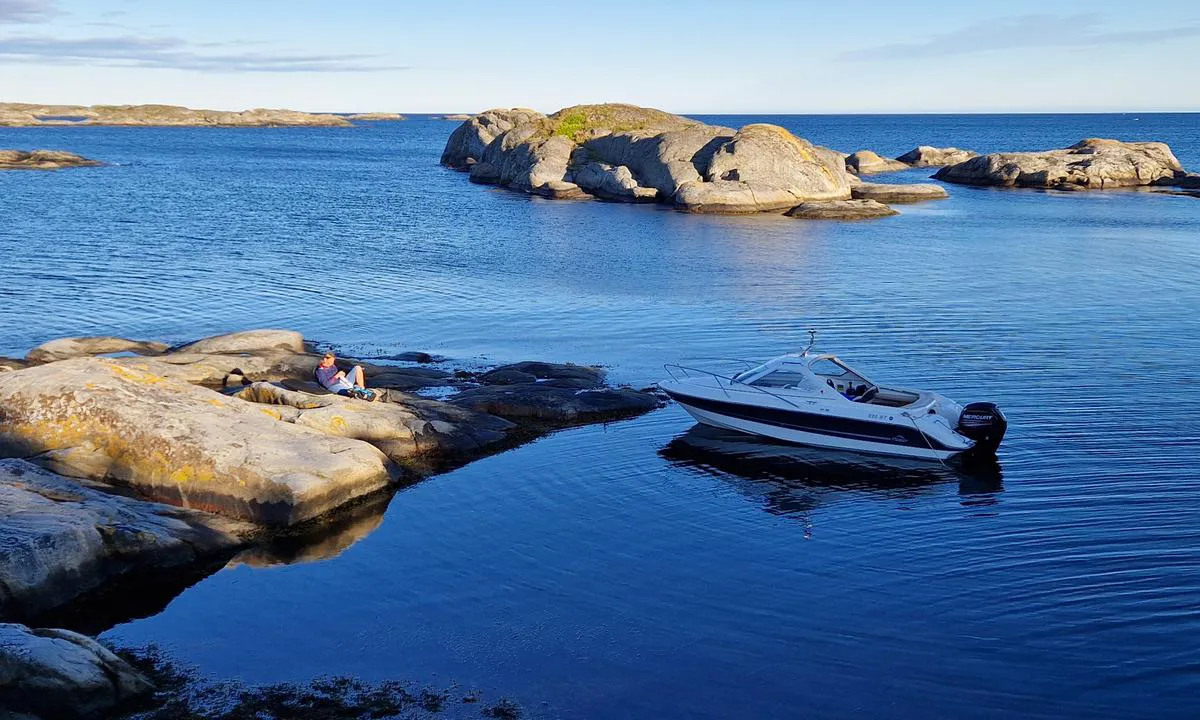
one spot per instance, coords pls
(644, 568)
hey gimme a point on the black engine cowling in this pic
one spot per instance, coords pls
(984, 423)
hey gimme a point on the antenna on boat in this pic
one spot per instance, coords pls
(812, 340)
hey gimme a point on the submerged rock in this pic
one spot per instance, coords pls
(841, 210)
(61, 674)
(134, 423)
(927, 156)
(897, 193)
(42, 160)
(61, 539)
(1094, 163)
(866, 162)
(71, 347)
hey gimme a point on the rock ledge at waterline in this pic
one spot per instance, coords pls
(631, 154)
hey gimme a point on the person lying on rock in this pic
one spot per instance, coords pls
(351, 384)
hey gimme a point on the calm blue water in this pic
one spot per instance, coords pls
(643, 569)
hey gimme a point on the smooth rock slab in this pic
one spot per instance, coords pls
(248, 341)
(841, 210)
(56, 674)
(928, 156)
(908, 193)
(60, 539)
(71, 347)
(180, 444)
(412, 431)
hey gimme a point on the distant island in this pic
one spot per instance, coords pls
(26, 114)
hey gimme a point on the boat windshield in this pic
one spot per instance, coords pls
(832, 369)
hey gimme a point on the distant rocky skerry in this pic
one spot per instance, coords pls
(42, 160)
(627, 153)
(27, 114)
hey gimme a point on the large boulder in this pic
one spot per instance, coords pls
(64, 348)
(764, 168)
(866, 162)
(247, 341)
(466, 144)
(55, 674)
(928, 156)
(1094, 163)
(611, 182)
(61, 539)
(662, 160)
(138, 425)
(898, 193)
(841, 210)
(525, 159)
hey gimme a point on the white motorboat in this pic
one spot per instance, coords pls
(816, 399)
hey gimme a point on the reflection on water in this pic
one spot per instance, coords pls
(323, 541)
(793, 480)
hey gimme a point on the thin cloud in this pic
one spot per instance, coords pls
(177, 54)
(1017, 33)
(26, 11)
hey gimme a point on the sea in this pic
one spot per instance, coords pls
(649, 568)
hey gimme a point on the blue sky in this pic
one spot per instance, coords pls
(695, 57)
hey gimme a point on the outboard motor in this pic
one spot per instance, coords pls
(985, 424)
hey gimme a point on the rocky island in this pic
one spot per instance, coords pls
(626, 153)
(42, 160)
(26, 114)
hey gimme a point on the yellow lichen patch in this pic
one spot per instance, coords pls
(216, 402)
(271, 413)
(137, 376)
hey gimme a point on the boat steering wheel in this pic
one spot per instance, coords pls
(868, 395)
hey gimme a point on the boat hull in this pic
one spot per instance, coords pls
(818, 431)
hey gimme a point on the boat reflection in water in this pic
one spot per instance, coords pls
(792, 479)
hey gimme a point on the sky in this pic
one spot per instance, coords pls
(786, 56)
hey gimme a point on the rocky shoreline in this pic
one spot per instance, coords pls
(164, 460)
(229, 439)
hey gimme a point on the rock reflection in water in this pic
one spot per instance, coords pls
(793, 480)
(324, 541)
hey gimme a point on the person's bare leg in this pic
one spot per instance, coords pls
(359, 380)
